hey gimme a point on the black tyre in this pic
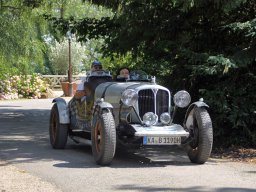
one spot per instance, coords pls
(200, 148)
(58, 132)
(103, 137)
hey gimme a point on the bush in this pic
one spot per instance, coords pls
(6, 91)
(233, 104)
(23, 87)
(230, 95)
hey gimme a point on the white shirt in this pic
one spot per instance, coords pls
(80, 86)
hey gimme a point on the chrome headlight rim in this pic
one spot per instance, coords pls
(150, 118)
(129, 97)
(182, 99)
(165, 118)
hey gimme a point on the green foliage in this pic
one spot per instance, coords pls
(206, 47)
(233, 104)
(92, 52)
(59, 56)
(24, 31)
(6, 71)
(75, 10)
(20, 45)
(117, 61)
(197, 45)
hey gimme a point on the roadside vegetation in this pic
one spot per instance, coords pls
(205, 47)
(23, 86)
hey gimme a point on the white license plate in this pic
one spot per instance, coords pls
(161, 140)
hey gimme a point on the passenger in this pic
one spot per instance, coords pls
(96, 66)
(81, 91)
(123, 74)
(82, 103)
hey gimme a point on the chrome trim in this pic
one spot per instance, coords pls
(168, 131)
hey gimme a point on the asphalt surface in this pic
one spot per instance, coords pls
(24, 143)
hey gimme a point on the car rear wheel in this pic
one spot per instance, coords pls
(200, 148)
(58, 132)
(103, 137)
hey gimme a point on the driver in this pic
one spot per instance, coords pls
(123, 74)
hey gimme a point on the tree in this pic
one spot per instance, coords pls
(21, 47)
(207, 47)
(59, 56)
(23, 27)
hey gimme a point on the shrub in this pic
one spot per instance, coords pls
(233, 104)
(23, 87)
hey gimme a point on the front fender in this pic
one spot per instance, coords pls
(63, 110)
(101, 105)
(189, 114)
(104, 105)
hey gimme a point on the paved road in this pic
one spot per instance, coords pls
(24, 143)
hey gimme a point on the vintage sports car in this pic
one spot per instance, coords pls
(135, 112)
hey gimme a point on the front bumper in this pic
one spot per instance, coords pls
(174, 130)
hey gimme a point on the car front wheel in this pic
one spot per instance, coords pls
(103, 137)
(58, 132)
(201, 131)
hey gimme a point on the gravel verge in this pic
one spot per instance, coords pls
(237, 154)
(14, 179)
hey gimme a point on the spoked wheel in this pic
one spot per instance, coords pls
(103, 137)
(201, 131)
(58, 132)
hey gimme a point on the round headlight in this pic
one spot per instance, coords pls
(149, 118)
(165, 118)
(182, 99)
(129, 97)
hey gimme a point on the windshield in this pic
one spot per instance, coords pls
(99, 73)
(139, 75)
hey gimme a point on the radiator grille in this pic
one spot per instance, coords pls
(146, 102)
(162, 102)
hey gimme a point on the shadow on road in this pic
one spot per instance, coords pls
(13, 106)
(194, 189)
(24, 139)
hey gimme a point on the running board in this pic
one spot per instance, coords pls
(81, 140)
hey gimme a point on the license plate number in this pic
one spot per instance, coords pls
(161, 140)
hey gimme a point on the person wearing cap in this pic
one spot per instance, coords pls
(82, 103)
(96, 65)
(81, 91)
